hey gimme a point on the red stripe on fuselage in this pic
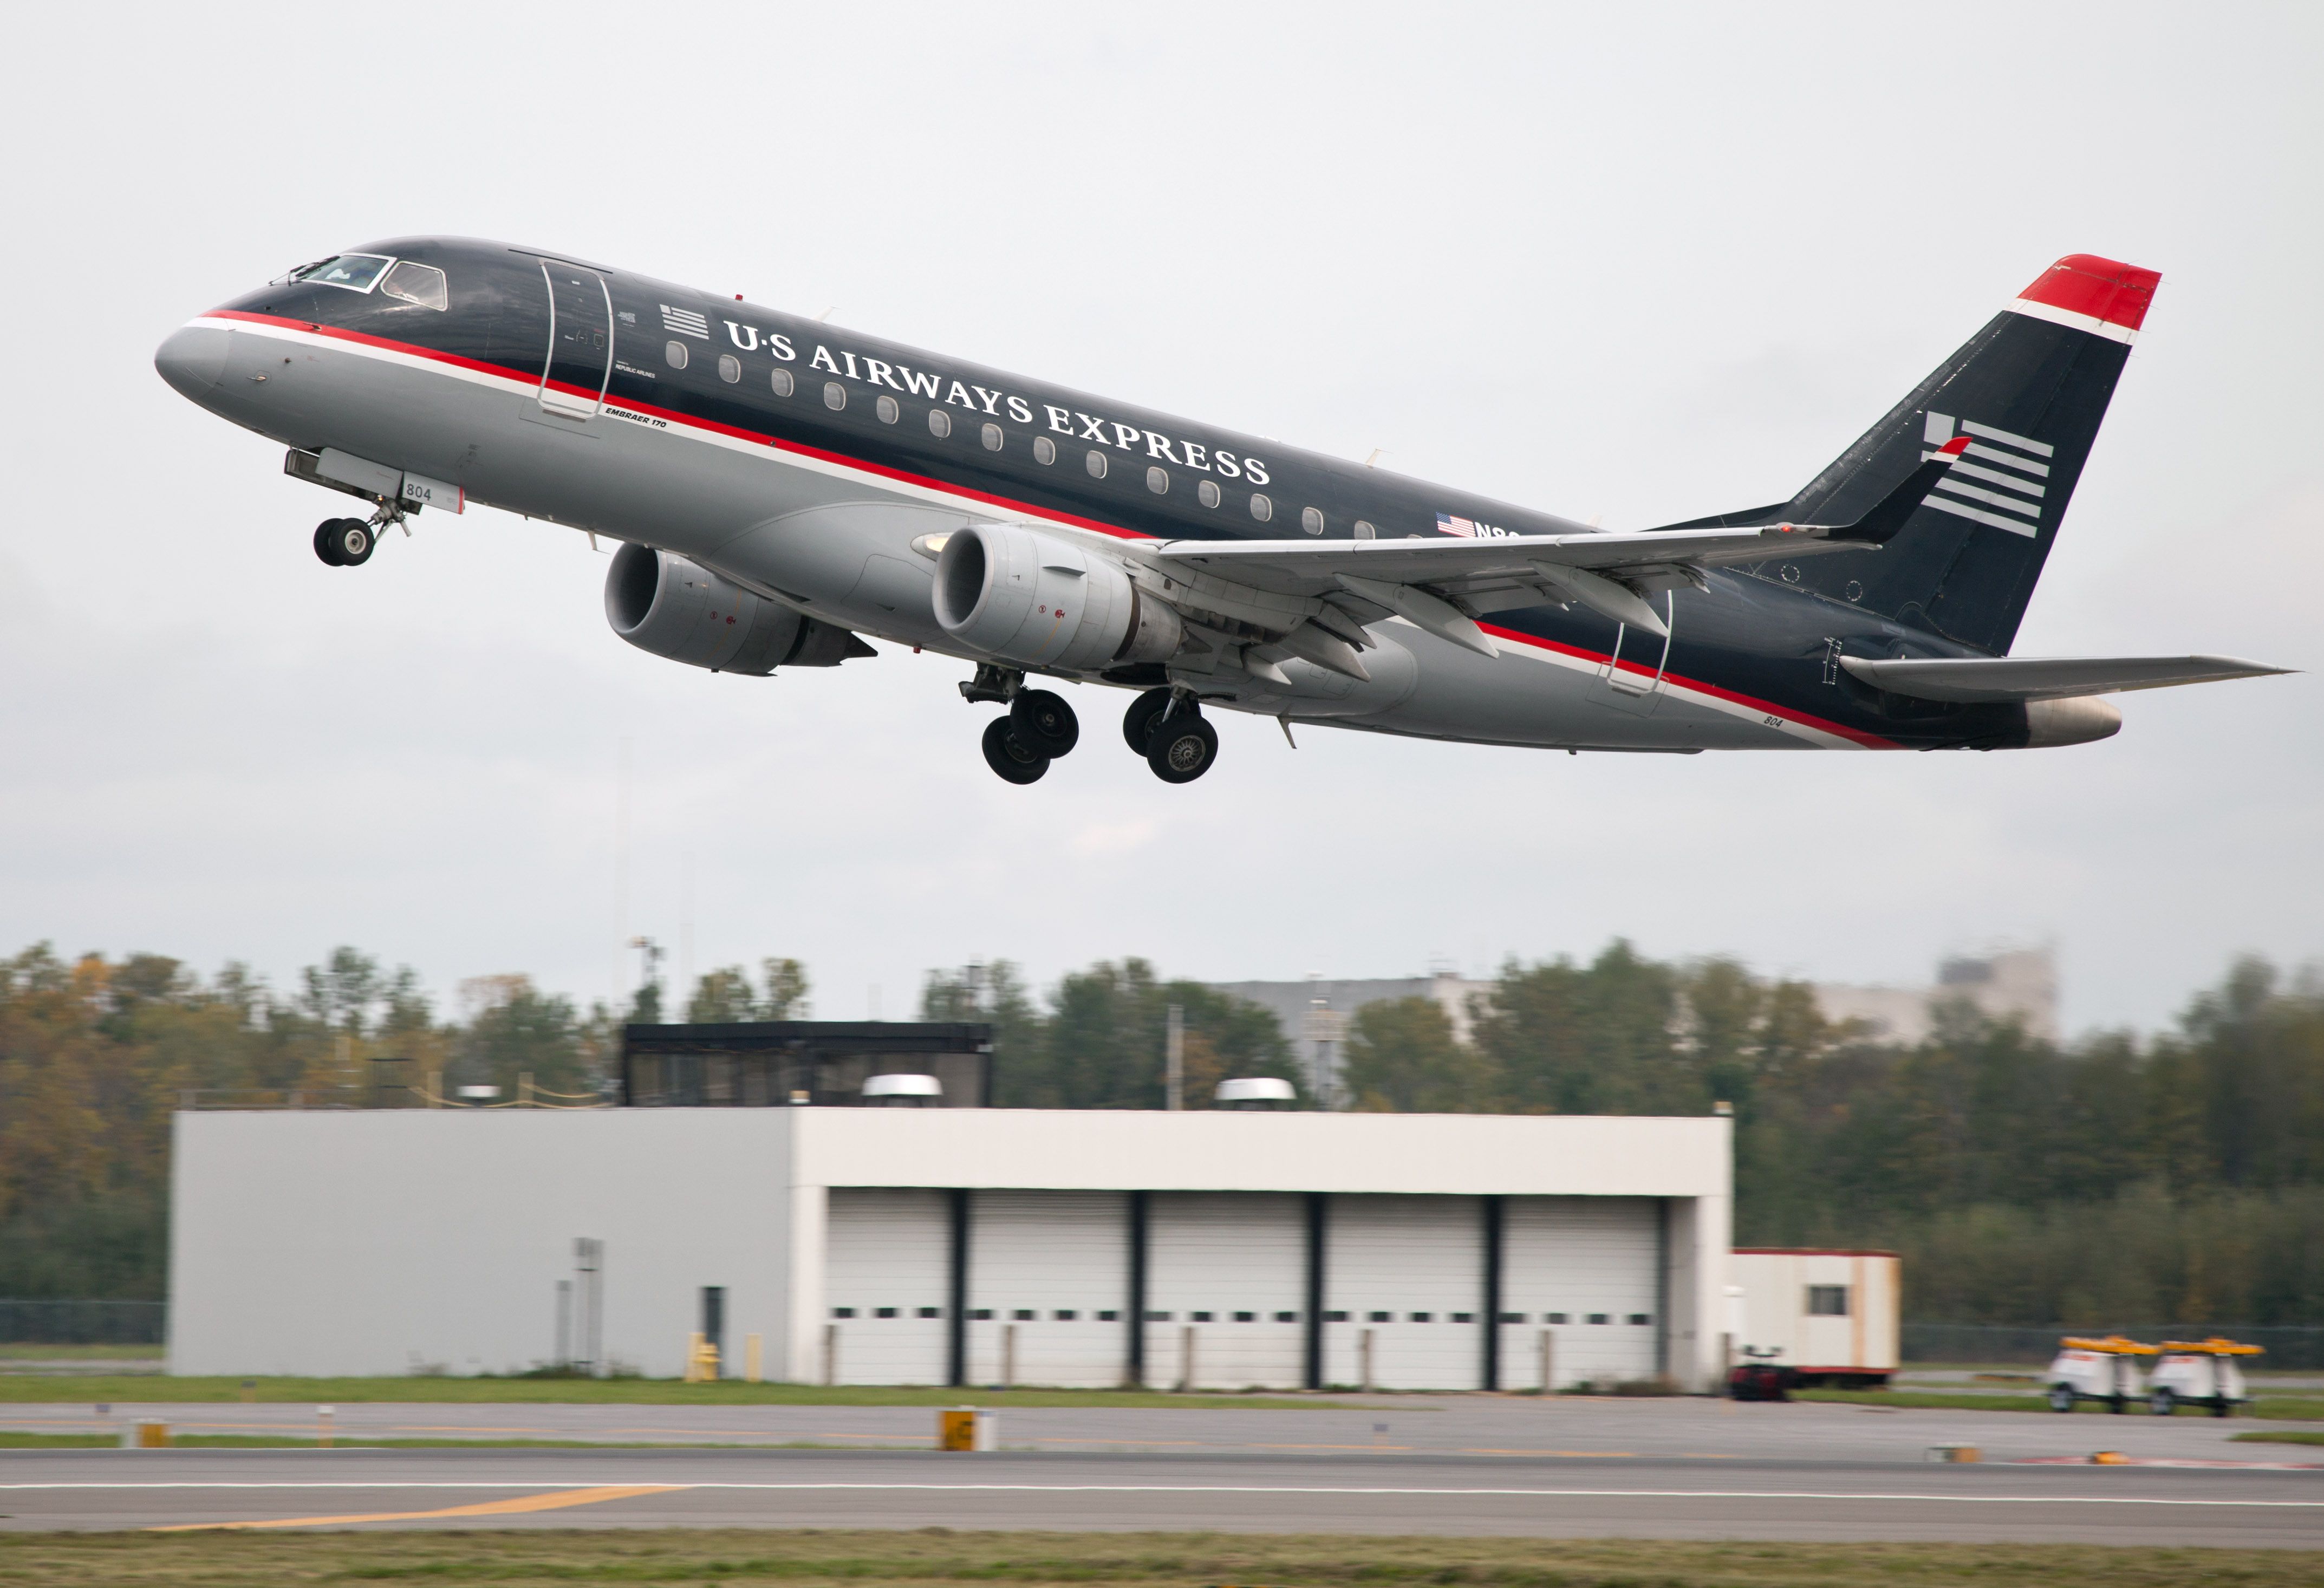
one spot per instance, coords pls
(696, 421)
(528, 383)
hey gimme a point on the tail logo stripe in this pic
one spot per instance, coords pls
(1995, 455)
(1963, 509)
(1998, 477)
(2030, 509)
(2022, 443)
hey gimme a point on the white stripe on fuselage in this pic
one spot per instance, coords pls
(677, 425)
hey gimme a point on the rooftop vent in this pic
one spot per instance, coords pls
(1256, 1091)
(903, 1092)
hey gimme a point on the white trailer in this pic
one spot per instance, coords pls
(1822, 1316)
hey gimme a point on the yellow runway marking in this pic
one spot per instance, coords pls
(490, 1508)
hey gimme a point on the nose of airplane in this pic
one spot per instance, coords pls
(192, 359)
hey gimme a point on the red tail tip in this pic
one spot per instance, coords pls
(2103, 289)
(1954, 447)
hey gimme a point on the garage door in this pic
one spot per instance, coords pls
(1054, 1267)
(887, 1276)
(1583, 1269)
(1230, 1267)
(1410, 1271)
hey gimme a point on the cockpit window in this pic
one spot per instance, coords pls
(415, 283)
(357, 273)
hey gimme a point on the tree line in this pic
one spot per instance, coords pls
(2173, 1177)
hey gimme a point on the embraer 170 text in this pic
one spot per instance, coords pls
(782, 488)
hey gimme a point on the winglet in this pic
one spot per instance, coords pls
(1879, 524)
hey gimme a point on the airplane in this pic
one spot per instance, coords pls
(782, 488)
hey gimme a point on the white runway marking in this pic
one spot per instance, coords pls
(1254, 1489)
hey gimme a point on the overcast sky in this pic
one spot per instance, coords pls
(1623, 261)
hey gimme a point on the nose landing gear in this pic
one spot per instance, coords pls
(345, 543)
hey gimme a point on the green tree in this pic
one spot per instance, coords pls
(1401, 1058)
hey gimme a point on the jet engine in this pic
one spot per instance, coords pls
(1014, 593)
(679, 609)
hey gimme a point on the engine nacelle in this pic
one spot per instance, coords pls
(1017, 593)
(680, 610)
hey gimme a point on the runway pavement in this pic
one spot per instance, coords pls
(1672, 1469)
(1657, 1497)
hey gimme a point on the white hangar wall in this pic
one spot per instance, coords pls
(368, 1241)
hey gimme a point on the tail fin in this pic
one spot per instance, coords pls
(2028, 392)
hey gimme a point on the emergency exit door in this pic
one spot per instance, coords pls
(580, 340)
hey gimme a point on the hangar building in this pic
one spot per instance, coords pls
(955, 1246)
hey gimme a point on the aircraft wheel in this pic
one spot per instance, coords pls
(1181, 747)
(2062, 1398)
(1139, 721)
(1009, 755)
(1044, 722)
(345, 543)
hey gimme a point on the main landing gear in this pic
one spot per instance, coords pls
(1039, 727)
(1166, 726)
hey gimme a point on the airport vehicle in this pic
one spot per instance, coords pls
(2198, 1372)
(782, 488)
(2096, 1369)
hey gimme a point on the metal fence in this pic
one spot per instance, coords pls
(83, 1323)
(2297, 1346)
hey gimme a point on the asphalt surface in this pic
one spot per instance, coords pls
(1572, 1467)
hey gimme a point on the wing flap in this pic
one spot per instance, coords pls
(2033, 678)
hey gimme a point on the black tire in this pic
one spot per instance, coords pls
(2062, 1398)
(352, 541)
(1045, 723)
(2221, 1406)
(1137, 722)
(1181, 747)
(1008, 756)
(324, 539)
(2114, 1403)
(2163, 1403)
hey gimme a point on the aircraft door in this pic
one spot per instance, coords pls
(580, 340)
(1632, 681)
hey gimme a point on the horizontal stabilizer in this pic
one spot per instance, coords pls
(2035, 678)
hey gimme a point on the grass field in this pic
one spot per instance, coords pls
(2280, 1436)
(149, 1390)
(92, 1354)
(2272, 1407)
(1137, 1560)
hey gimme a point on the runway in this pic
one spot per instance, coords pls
(1572, 1496)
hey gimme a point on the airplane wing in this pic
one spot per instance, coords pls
(1442, 585)
(2033, 678)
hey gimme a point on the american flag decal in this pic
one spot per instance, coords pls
(1466, 528)
(2000, 480)
(685, 322)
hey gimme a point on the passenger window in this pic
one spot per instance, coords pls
(1207, 493)
(1096, 464)
(415, 283)
(730, 368)
(1262, 508)
(1364, 532)
(939, 424)
(993, 438)
(783, 386)
(675, 353)
(888, 411)
(834, 395)
(1044, 449)
(1157, 480)
(1311, 519)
